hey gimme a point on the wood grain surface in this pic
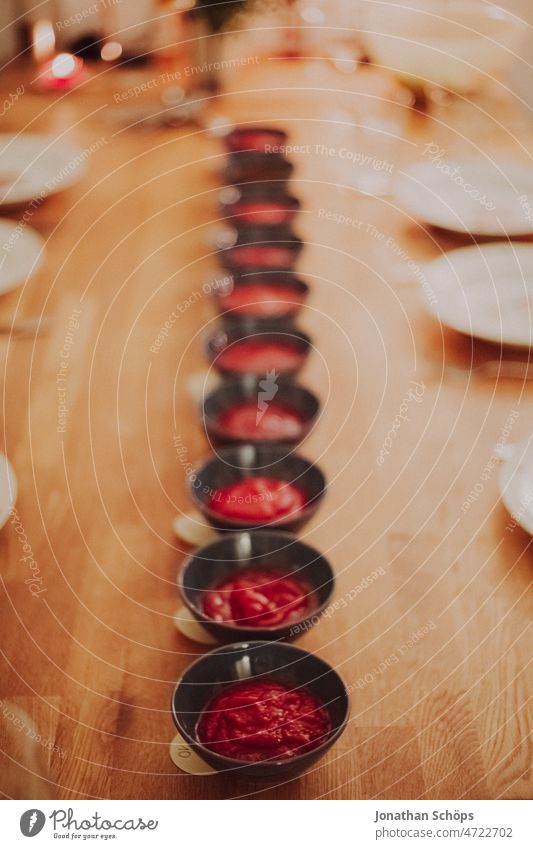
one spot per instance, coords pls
(436, 648)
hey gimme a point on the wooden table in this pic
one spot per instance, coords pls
(435, 649)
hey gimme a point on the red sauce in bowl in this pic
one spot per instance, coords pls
(263, 212)
(259, 598)
(262, 299)
(260, 140)
(266, 256)
(263, 720)
(258, 356)
(258, 499)
(247, 421)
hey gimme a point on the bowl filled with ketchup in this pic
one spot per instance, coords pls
(260, 709)
(256, 138)
(258, 347)
(244, 248)
(274, 295)
(256, 585)
(250, 166)
(238, 410)
(257, 485)
(260, 208)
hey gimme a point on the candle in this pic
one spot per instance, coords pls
(55, 72)
(43, 41)
(61, 73)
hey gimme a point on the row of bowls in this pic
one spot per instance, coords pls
(256, 176)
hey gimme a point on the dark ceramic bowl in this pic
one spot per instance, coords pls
(247, 387)
(246, 460)
(282, 662)
(251, 166)
(255, 138)
(223, 559)
(248, 329)
(258, 247)
(281, 280)
(255, 190)
(269, 211)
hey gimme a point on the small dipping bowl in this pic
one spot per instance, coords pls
(247, 389)
(258, 247)
(243, 335)
(247, 460)
(267, 295)
(239, 662)
(267, 210)
(259, 139)
(225, 558)
(252, 166)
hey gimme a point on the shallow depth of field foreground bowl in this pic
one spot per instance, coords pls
(281, 662)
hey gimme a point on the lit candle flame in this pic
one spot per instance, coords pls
(43, 40)
(63, 66)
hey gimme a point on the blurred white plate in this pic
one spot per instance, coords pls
(516, 483)
(484, 291)
(35, 166)
(21, 254)
(8, 489)
(470, 196)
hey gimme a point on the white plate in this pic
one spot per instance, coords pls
(516, 483)
(8, 489)
(470, 196)
(484, 291)
(21, 254)
(35, 166)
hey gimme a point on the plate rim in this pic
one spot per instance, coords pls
(506, 475)
(459, 227)
(50, 140)
(491, 247)
(12, 486)
(32, 234)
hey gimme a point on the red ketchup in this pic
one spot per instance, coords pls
(260, 140)
(266, 256)
(262, 212)
(258, 356)
(263, 720)
(258, 499)
(259, 598)
(262, 299)
(247, 421)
